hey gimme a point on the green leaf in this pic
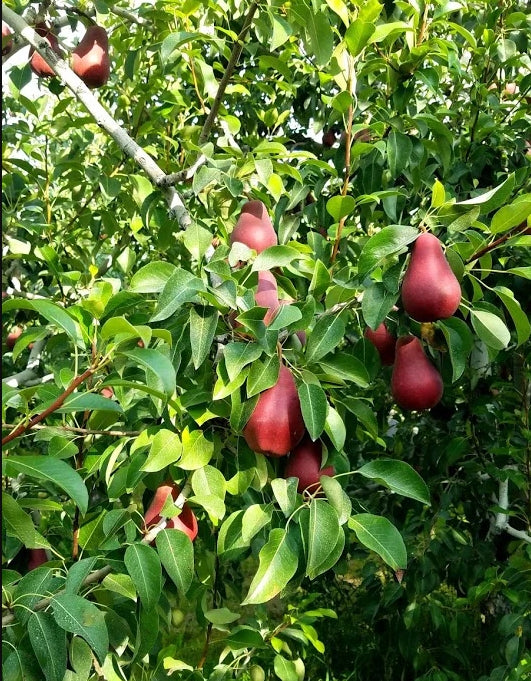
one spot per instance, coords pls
(340, 206)
(337, 497)
(77, 574)
(198, 450)
(182, 287)
(491, 329)
(519, 317)
(209, 481)
(238, 355)
(156, 362)
(314, 408)
(399, 477)
(320, 534)
(492, 199)
(244, 637)
(327, 333)
(285, 669)
(364, 412)
(345, 367)
(48, 641)
(35, 585)
(335, 428)
(275, 256)
(197, 240)
(81, 617)
(19, 524)
(120, 584)
(263, 375)
(53, 313)
(358, 35)
(460, 342)
(317, 31)
(438, 194)
(389, 241)
(166, 448)
(277, 564)
(88, 402)
(51, 470)
(221, 616)
(256, 517)
(285, 491)
(203, 323)
(281, 31)
(512, 215)
(286, 315)
(376, 304)
(176, 553)
(399, 150)
(144, 568)
(152, 278)
(380, 536)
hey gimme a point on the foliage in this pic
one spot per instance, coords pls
(421, 540)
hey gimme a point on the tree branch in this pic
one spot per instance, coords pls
(501, 522)
(23, 427)
(519, 230)
(98, 112)
(28, 374)
(81, 431)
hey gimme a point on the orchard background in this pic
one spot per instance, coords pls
(359, 125)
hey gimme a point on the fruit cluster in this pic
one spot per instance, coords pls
(430, 291)
(90, 58)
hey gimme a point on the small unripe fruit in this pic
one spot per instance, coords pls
(177, 617)
(257, 673)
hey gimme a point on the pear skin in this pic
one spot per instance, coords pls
(90, 59)
(384, 341)
(430, 289)
(415, 382)
(304, 463)
(254, 227)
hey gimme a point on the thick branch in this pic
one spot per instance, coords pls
(23, 427)
(28, 374)
(99, 113)
(502, 519)
(519, 230)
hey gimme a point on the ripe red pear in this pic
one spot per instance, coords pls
(7, 40)
(185, 521)
(90, 59)
(107, 392)
(415, 382)
(254, 227)
(267, 294)
(305, 463)
(276, 425)
(36, 558)
(37, 63)
(430, 290)
(13, 336)
(384, 341)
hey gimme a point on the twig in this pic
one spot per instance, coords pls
(346, 179)
(23, 427)
(235, 55)
(99, 113)
(501, 522)
(81, 431)
(515, 231)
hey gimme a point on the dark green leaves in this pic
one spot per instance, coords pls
(327, 333)
(313, 406)
(144, 568)
(182, 287)
(389, 241)
(79, 616)
(177, 555)
(278, 563)
(399, 477)
(51, 470)
(48, 641)
(203, 322)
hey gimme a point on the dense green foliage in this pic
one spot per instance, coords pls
(359, 125)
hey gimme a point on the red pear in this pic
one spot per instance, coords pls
(7, 40)
(36, 558)
(13, 336)
(37, 63)
(267, 294)
(107, 392)
(430, 290)
(305, 463)
(185, 521)
(254, 227)
(276, 425)
(384, 341)
(90, 59)
(415, 382)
